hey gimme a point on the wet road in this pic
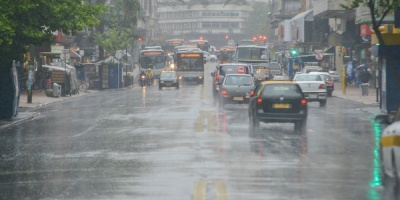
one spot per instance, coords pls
(177, 144)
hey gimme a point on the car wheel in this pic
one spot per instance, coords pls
(212, 60)
(322, 103)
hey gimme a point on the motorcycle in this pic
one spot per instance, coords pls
(142, 81)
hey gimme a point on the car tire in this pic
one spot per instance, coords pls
(322, 103)
(212, 60)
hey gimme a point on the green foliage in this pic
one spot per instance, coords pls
(114, 39)
(31, 22)
(379, 9)
(118, 25)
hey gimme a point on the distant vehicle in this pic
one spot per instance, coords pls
(231, 43)
(170, 45)
(334, 74)
(228, 68)
(251, 54)
(152, 47)
(209, 57)
(330, 85)
(260, 75)
(226, 54)
(168, 79)
(274, 69)
(202, 44)
(154, 59)
(236, 88)
(313, 87)
(308, 69)
(190, 66)
(247, 42)
(277, 101)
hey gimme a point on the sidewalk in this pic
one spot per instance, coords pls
(353, 93)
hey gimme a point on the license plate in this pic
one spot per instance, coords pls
(168, 84)
(281, 105)
(238, 98)
(312, 95)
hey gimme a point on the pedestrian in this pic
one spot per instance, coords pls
(364, 77)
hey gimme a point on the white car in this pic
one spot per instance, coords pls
(313, 87)
(209, 57)
(334, 74)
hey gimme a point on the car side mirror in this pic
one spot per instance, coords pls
(213, 74)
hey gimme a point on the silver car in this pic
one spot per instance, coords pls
(313, 87)
(236, 88)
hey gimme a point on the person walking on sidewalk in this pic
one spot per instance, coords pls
(364, 76)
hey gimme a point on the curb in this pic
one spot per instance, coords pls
(16, 121)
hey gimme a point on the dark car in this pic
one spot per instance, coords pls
(277, 101)
(229, 68)
(168, 79)
(236, 88)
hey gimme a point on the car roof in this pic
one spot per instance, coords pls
(325, 73)
(236, 64)
(237, 75)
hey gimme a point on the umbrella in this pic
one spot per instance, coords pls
(360, 67)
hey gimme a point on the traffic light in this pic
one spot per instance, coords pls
(140, 39)
(254, 38)
(293, 53)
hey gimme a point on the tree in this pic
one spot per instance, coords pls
(31, 22)
(379, 9)
(118, 25)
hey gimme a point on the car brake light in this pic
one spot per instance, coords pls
(224, 92)
(259, 100)
(303, 101)
(217, 77)
(322, 86)
(251, 93)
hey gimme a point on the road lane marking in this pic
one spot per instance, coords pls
(210, 121)
(200, 192)
(221, 190)
(391, 140)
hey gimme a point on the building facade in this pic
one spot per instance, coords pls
(213, 22)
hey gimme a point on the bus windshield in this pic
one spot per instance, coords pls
(190, 64)
(153, 62)
(251, 53)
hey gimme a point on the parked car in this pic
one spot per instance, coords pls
(330, 85)
(209, 57)
(168, 79)
(236, 88)
(313, 87)
(222, 70)
(277, 101)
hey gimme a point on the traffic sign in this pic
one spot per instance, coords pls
(319, 56)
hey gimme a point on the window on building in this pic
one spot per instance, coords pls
(292, 5)
(216, 24)
(206, 24)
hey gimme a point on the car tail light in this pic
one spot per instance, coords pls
(303, 102)
(217, 77)
(251, 93)
(224, 92)
(259, 100)
(322, 86)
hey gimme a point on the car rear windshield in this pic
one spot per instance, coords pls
(168, 75)
(288, 90)
(238, 80)
(234, 69)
